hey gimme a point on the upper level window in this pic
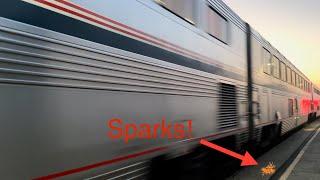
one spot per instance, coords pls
(300, 82)
(182, 8)
(266, 61)
(283, 72)
(305, 85)
(293, 77)
(297, 80)
(217, 25)
(275, 67)
(289, 75)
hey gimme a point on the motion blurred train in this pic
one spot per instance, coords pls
(69, 66)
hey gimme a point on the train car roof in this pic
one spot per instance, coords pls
(237, 20)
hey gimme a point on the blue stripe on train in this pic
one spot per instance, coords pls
(30, 14)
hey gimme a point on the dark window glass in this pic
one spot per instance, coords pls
(296, 105)
(217, 25)
(289, 75)
(283, 73)
(291, 110)
(182, 8)
(266, 61)
(293, 76)
(275, 67)
(297, 80)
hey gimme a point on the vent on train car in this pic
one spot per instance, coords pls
(228, 113)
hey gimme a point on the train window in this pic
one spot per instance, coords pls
(296, 105)
(217, 25)
(275, 67)
(306, 88)
(293, 77)
(288, 75)
(309, 87)
(297, 80)
(291, 109)
(283, 73)
(305, 85)
(266, 61)
(182, 8)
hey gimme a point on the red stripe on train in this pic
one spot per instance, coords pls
(103, 163)
(144, 36)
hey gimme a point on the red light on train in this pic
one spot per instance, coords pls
(305, 106)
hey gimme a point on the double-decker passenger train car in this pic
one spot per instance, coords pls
(69, 66)
(316, 102)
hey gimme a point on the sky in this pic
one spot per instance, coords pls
(291, 26)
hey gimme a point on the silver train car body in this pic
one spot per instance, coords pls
(316, 101)
(66, 67)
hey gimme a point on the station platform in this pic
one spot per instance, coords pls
(287, 160)
(307, 164)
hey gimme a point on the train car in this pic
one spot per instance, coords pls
(284, 92)
(316, 102)
(67, 67)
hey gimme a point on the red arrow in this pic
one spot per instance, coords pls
(247, 159)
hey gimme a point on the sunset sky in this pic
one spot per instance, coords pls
(291, 26)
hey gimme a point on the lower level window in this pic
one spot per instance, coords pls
(291, 108)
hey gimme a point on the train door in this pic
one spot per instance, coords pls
(264, 104)
(296, 111)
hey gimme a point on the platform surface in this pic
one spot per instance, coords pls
(279, 154)
(308, 166)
